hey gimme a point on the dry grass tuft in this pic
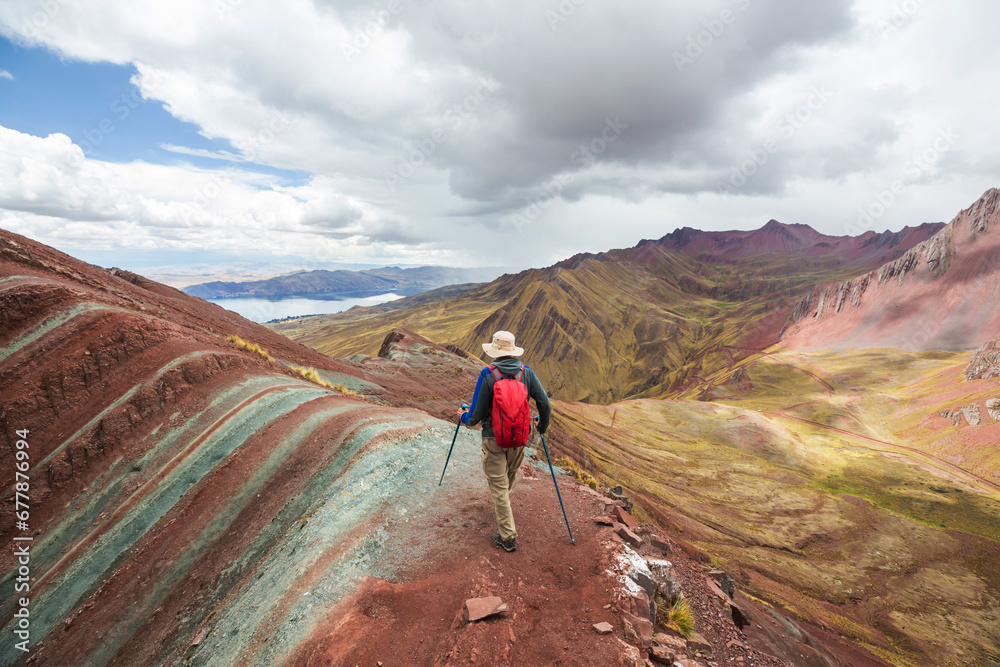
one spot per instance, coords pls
(577, 472)
(677, 616)
(313, 375)
(253, 347)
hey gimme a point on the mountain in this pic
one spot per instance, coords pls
(194, 499)
(635, 322)
(303, 283)
(868, 249)
(844, 484)
(941, 294)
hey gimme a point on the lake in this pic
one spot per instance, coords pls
(260, 309)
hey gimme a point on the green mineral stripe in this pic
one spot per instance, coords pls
(77, 523)
(86, 573)
(214, 528)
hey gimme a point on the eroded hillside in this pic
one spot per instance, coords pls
(639, 322)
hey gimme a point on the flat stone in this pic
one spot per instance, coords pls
(603, 628)
(604, 520)
(676, 644)
(626, 518)
(479, 608)
(661, 655)
(697, 642)
(670, 632)
(616, 538)
(630, 537)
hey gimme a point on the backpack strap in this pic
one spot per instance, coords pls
(498, 374)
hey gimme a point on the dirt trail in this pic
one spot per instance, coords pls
(554, 590)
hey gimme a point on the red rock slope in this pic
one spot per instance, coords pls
(942, 294)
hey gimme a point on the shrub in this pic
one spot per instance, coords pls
(252, 347)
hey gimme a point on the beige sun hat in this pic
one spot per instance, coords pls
(502, 345)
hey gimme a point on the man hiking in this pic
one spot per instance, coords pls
(501, 404)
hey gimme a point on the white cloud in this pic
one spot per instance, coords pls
(476, 110)
(4, 74)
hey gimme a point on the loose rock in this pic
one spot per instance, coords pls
(626, 518)
(603, 628)
(972, 415)
(479, 608)
(699, 643)
(630, 537)
(661, 655)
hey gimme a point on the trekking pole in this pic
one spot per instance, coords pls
(457, 426)
(558, 495)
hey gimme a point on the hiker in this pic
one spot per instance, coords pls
(503, 450)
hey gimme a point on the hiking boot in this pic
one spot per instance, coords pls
(508, 545)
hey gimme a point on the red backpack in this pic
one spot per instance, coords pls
(511, 416)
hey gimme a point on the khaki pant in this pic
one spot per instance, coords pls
(500, 466)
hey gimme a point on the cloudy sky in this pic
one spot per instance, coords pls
(513, 133)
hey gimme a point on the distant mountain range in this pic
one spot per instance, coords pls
(870, 248)
(385, 279)
(634, 322)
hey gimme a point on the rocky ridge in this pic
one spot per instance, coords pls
(985, 364)
(940, 294)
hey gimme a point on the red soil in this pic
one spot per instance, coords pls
(172, 471)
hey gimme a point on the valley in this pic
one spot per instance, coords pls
(804, 419)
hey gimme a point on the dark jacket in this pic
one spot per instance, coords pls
(482, 401)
